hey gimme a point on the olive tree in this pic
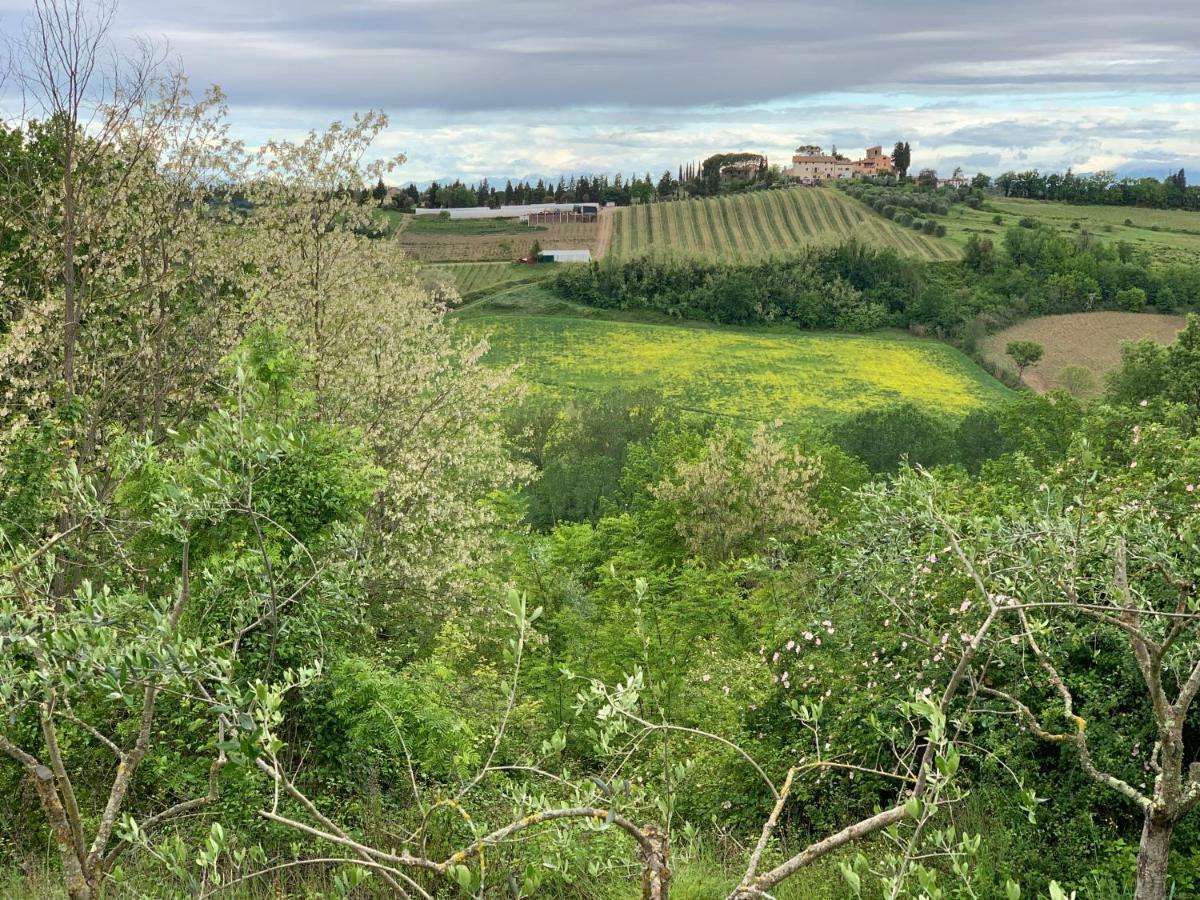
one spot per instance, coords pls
(188, 568)
(1101, 550)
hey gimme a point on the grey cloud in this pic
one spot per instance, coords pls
(460, 55)
(983, 162)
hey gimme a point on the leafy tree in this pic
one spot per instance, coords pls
(1024, 354)
(580, 451)
(981, 436)
(1142, 375)
(927, 178)
(1132, 299)
(979, 254)
(736, 497)
(884, 438)
(1068, 578)
(1183, 364)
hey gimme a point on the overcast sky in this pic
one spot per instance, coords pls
(549, 87)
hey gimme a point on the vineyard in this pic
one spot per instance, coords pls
(476, 279)
(760, 225)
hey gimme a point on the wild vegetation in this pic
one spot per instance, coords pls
(304, 591)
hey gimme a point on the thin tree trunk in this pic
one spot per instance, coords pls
(656, 875)
(74, 878)
(1153, 854)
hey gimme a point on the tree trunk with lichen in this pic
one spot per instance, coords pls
(1153, 856)
(656, 875)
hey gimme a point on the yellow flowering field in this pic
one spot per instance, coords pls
(792, 376)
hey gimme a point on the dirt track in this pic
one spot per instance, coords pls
(604, 234)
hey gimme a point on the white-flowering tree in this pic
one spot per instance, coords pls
(381, 356)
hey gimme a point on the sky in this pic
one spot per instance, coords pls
(513, 88)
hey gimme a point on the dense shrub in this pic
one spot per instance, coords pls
(849, 288)
(1132, 299)
(883, 438)
(855, 288)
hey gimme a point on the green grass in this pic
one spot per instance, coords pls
(800, 378)
(438, 225)
(1169, 236)
(761, 225)
(475, 280)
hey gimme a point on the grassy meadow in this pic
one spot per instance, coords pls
(800, 378)
(475, 280)
(1168, 235)
(759, 225)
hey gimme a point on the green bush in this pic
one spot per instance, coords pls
(884, 438)
(1132, 299)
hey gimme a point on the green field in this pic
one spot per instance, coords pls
(1168, 235)
(477, 279)
(800, 378)
(761, 225)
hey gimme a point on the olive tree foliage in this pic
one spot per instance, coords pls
(379, 354)
(191, 570)
(737, 502)
(553, 800)
(1101, 552)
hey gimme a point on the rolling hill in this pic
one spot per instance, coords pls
(761, 225)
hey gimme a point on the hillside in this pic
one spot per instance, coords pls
(1167, 235)
(763, 224)
(431, 239)
(1091, 341)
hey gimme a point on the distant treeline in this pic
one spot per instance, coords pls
(1172, 192)
(718, 174)
(1035, 271)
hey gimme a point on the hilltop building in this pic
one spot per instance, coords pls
(876, 162)
(811, 164)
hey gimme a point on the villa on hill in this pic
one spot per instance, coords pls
(812, 164)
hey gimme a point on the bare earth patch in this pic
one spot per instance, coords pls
(1088, 340)
(497, 247)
